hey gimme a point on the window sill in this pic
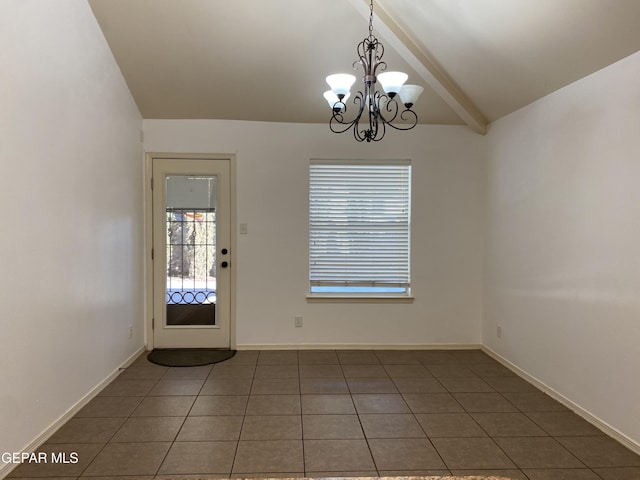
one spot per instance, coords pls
(354, 298)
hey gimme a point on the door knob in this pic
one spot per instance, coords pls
(224, 264)
(224, 251)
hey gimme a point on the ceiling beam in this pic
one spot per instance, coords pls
(438, 79)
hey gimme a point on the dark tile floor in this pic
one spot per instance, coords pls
(332, 413)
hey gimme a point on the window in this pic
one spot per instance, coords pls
(359, 228)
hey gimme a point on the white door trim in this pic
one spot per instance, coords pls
(148, 238)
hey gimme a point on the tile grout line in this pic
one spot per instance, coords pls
(493, 439)
(304, 461)
(126, 418)
(470, 414)
(413, 415)
(364, 434)
(164, 458)
(427, 437)
(244, 416)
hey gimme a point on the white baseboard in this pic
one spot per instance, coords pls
(5, 468)
(588, 416)
(358, 346)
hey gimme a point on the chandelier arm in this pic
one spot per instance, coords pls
(337, 117)
(379, 65)
(406, 126)
(336, 121)
(376, 130)
(377, 138)
(388, 104)
(378, 56)
(365, 57)
(358, 135)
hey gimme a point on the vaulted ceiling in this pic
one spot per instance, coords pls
(267, 60)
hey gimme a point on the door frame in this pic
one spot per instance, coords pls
(148, 238)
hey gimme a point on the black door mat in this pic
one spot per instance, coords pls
(188, 357)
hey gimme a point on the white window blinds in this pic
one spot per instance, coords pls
(359, 226)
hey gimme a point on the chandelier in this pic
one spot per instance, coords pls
(375, 110)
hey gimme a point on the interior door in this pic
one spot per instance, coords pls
(191, 257)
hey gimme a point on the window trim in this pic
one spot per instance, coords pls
(354, 298)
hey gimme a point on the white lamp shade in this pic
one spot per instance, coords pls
(410, 93)
(392, 81)
(340, 83)
(332, 98)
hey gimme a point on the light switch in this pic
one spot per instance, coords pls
(244, 228)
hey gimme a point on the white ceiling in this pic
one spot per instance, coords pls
(267, 59)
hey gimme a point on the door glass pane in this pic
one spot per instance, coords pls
(191, 250)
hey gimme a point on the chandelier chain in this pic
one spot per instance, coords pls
(371, 19)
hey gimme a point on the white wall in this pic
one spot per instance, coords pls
(71, 195)
(563, 240)
(272, 260)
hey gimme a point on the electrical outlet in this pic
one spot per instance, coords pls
(130, 331)
(499, 331)
(297, 321)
